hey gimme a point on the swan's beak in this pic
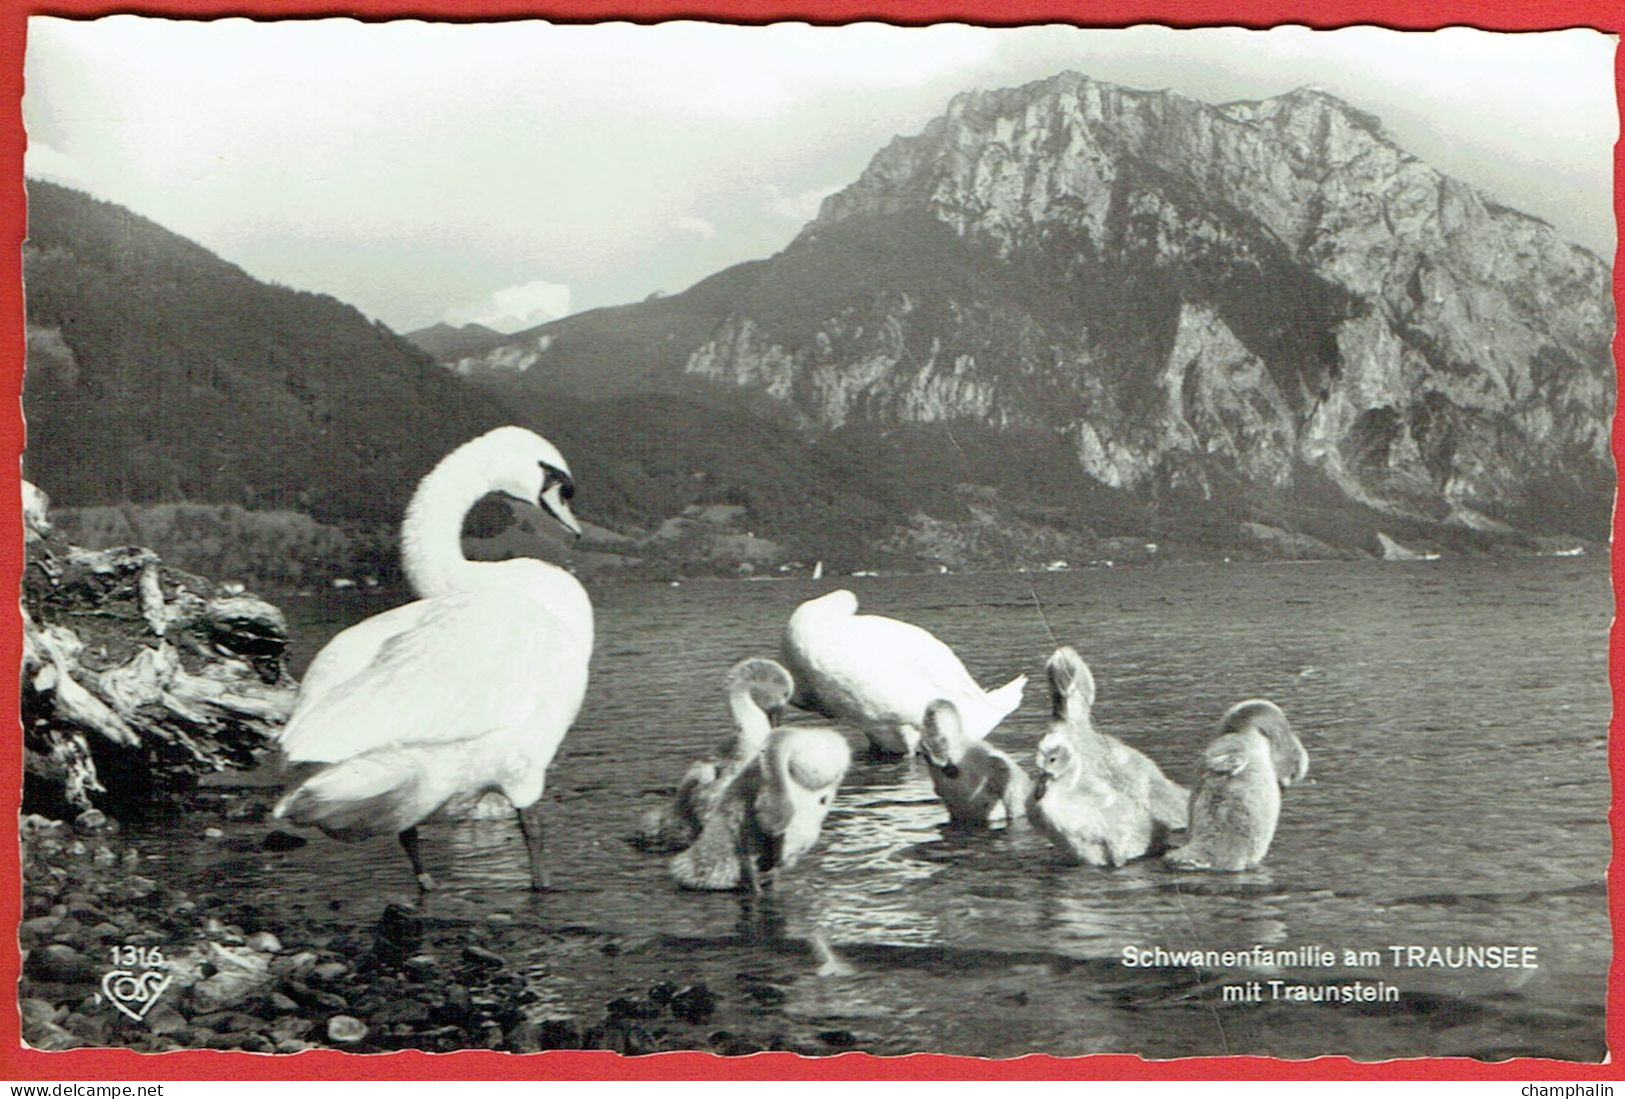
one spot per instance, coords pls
(944, 765)
(774, 716)
(552, 502)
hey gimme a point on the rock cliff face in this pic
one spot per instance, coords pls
(1230, 303)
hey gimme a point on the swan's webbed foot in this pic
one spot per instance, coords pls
(830, 964)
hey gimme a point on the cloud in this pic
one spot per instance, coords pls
(691, 224)
(410, 166)
(42, 161)
(689, 67)
(516, 307)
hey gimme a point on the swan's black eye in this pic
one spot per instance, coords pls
(553, 476)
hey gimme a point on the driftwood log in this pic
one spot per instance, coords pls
(138, 677)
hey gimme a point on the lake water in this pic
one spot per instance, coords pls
(1456, 714)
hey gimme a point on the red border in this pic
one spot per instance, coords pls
(19, 1063)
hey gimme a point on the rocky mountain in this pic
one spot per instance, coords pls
(446, 341)
(1215, 321)
(260, 433)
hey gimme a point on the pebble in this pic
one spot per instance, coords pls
(52, 1038)
(404, 1011)
(61, 963)
(225, 1022)
(94, 820)
(481, 956)
(298, 964)
(534, 1036)
(730, 1044)
(290, 1027)
(221, 932)
(628, 1007)
(280, 1003)
(330, 971)
(37, 928)
(33, 825)
(766, 995)
(213, 833)
(623, 1037)
(346, 1029)
(458, 1003)
(490, 1035)
(265, 942)
(422, 967)
(223, 1041)
(314, 998)
(282, 841)
(694, 1004)
(164, 1019)
(36, 1012)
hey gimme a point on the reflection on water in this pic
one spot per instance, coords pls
(1456, 716)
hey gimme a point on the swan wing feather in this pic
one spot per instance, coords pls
(885, 651)
(349, 652)
(1227, 755)
(414, 689)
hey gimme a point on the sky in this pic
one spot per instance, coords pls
(511, 173)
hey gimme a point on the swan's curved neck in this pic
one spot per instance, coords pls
(752, 723)
(432, 534)
(1080, 729)
(777, 758)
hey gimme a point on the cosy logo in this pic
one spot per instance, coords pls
(134, 990)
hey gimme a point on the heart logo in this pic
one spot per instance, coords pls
(134, 993)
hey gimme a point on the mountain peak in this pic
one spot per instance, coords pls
(1217, 305)
(448, 341)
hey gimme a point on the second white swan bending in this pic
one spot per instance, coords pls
(880, 674)
(469, 689)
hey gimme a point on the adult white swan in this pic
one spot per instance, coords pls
(880, 674)
(469, 689)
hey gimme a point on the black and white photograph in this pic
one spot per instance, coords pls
(703, 537)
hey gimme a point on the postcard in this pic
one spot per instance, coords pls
(699, 539)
